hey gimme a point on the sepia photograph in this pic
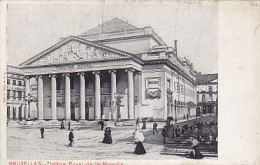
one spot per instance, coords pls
(98, 81)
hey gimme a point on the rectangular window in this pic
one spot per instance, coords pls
(8, 94)
(168, 84)
(203, 98)
(20, 83)
(210, 97)
(19, 95)
(8, 81)
(14, 95)
(210, 88)
(175, 86)
(14, 82)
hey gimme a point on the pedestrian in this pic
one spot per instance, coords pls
(105, 136)
(109, 136)
(187, 116)
(164, 134)
(144, 124)
(69, 125)
(155, 127)
(137, 122)
(177, 131)
(170, 132)
(139, 138)
(62, 125)
(195, 153)
(102, 124)
(42, 132)
(71, 137)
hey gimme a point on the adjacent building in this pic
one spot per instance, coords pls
(15, 93)
(207, 92)
(113, 71)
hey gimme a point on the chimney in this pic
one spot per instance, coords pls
(175, 46)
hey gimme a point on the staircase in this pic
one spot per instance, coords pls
(183, 148)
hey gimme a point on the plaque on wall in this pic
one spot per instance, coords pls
(153, 88)
(158, 113)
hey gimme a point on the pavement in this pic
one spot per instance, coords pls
(25, 142)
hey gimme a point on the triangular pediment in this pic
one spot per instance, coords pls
(74, 49)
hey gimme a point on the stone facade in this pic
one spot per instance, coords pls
(15, 93)
(111, 75)
(207, 92)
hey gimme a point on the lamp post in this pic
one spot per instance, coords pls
(29, 99)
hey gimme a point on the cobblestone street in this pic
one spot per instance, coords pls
(24, 142)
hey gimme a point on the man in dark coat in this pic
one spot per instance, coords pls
(71, 137)
(155, 127)
(101, 123)
(137, 122)
(177, 131)
(42, 132)
(62, 125)
(164, 134)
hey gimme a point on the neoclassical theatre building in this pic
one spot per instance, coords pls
(112, 71)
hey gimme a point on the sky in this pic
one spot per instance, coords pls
(32, 28)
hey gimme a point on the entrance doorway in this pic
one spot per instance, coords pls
(86, 110)
(72, 111)
(14, 113)
(20, 113)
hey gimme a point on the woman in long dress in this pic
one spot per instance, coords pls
(139, 138)
(105, 140)
(109, 136)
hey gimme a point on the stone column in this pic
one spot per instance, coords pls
(67, 96)
(82, 95)
(139, 101)
(113, 93)
(53, 97)
(130, 93)
(40, 97)
(27, 92)
(97, 95)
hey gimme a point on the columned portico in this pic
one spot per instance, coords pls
(82, 95)
(53, 97)
(97, 95)
(40, 97)
(67, 96)
(130, 93)
(113, 92)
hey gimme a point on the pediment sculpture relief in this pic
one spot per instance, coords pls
(76, 51)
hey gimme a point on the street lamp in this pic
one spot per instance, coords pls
(29, 99)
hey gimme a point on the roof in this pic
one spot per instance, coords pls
(206, 78)
(113, 25)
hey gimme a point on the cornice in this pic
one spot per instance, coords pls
(78, 62)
